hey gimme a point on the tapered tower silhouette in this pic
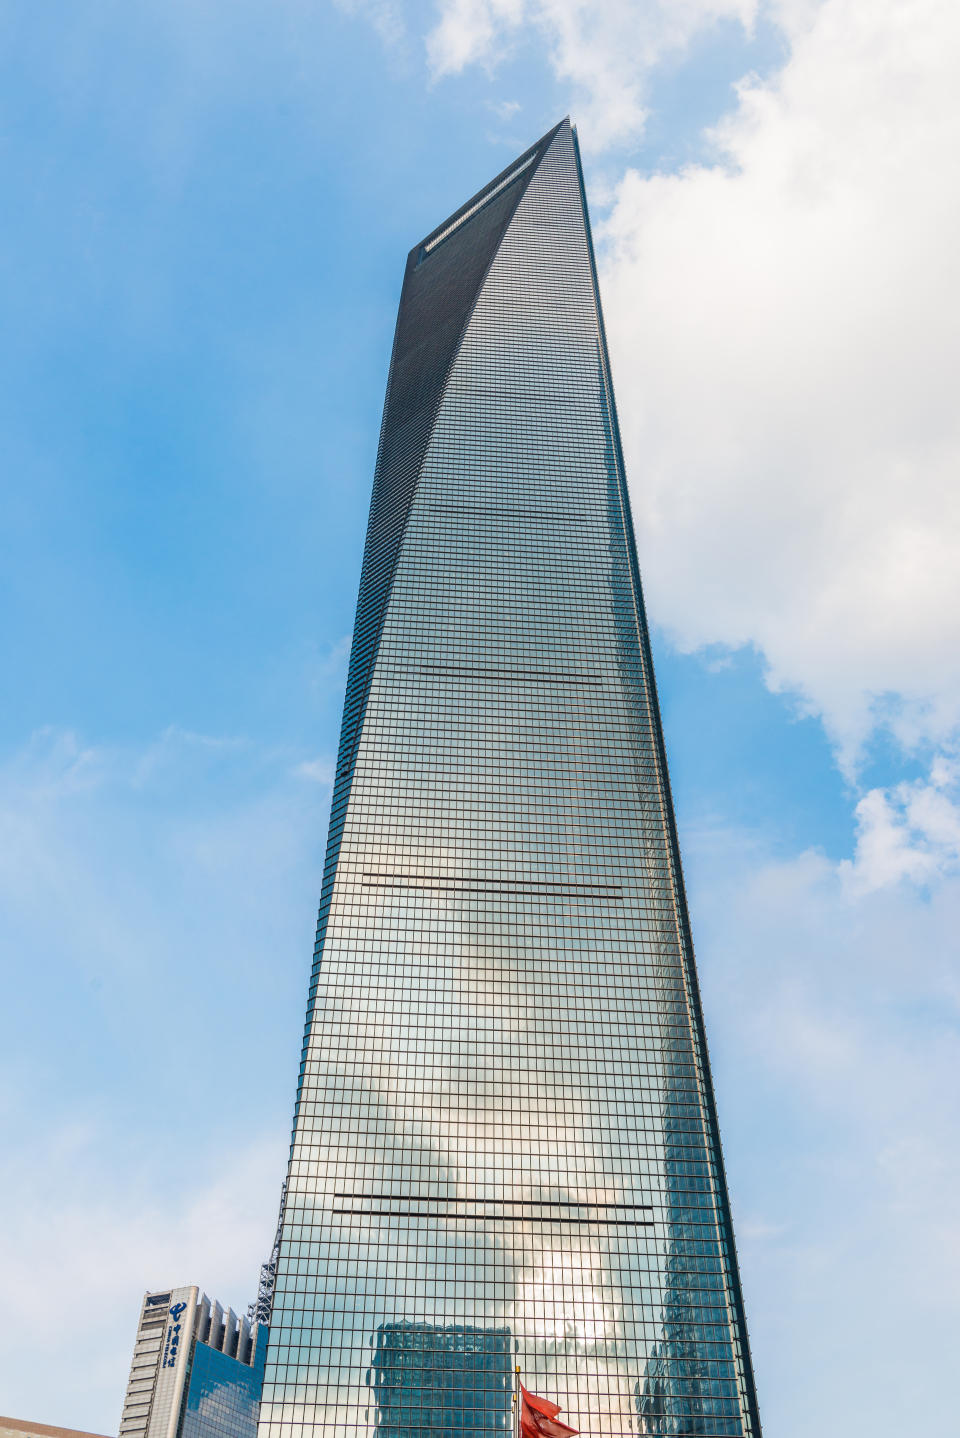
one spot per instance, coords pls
(505, 1147)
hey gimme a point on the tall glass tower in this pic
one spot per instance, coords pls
(505, 1148)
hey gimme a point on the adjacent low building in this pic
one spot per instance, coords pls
(21, 1428)
(197, 1370)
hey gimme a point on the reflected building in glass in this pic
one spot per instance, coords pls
(505, 1147)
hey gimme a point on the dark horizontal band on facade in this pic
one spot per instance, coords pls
(498, 1217)
(505, 1215)
(494, 511)
(506, 888)
(515, 676)
(508, 1202)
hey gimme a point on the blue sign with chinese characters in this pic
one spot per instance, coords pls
(172, 1345)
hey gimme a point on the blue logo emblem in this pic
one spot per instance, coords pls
(176, 1310)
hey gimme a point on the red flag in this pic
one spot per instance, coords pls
(537, 1427)
(538, 1418)
(539, 1405)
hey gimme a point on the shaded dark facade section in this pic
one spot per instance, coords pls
(435, 305)
(223, 1396)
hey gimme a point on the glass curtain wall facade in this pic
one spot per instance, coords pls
(505, 1148)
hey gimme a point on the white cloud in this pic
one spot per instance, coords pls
(102, 843)
(319, 771)
(156, 923)
(834, 1021)
(84, 1235)
(910, 831)
(386, 18)
(468, 31)
(505, 109)
(785, 333)
(604, 53)
(784, 326)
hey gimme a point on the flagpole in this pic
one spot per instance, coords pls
(516, 1403)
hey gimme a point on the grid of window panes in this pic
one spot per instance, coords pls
(505, 1150)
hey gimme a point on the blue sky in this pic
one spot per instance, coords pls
(207, 210)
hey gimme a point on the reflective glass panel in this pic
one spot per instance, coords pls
(505, 1151)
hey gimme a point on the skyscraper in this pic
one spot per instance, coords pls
(505, 1147)
(197, 1371)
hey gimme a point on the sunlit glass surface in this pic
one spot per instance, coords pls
(505, 1148)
